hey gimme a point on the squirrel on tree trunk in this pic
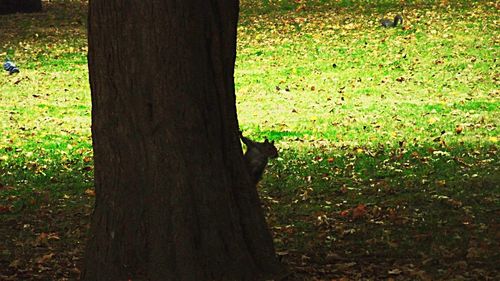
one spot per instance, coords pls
(257, 156)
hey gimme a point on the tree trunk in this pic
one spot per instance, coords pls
(20, 6)
(173, 198)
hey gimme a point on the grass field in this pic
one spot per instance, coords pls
(388, 138)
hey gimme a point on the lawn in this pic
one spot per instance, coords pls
(388, 137)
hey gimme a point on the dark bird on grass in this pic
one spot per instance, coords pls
(10, 67)
(389, 23)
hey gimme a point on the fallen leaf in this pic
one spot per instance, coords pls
(345, 266)
(359, 211)
(4, 209)
(89, 192)
(344, 213)
(45, 258)
(394, 271)
(42, 239)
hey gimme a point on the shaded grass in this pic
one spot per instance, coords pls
(429, 208)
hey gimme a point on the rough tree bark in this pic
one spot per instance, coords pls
(173, 199)
(20, 6)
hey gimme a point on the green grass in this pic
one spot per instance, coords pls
(402, 122)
